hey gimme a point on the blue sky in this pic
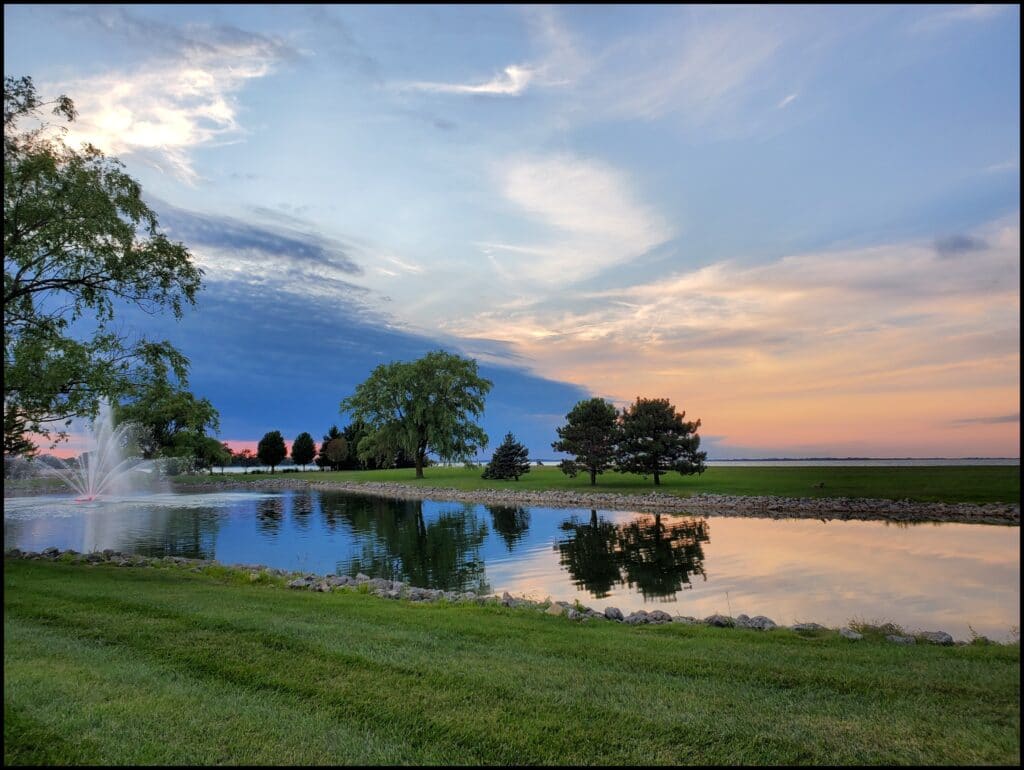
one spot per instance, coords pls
(801, 224)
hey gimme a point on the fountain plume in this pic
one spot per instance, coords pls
(104, 470)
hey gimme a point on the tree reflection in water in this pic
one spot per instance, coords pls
(656, 557)
(399, 544)
(269, 514)
(511, 522)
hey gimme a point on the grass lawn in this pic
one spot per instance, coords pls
(115, 665)
(954, 484)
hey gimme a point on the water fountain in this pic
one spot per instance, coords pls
(104, 470)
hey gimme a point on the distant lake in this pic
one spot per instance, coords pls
(923, 576)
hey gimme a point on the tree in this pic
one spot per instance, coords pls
(79, 242)
(210, 452)
(510, 460)
(655, 439)
(271, 449)
(421, 406)
(321, 459)
(303, 450)
(336, 451)
(174, 421)
(590, 433)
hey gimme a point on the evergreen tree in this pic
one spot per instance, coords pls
(303, 450)
(322, 461)
(510, 460)
(655, 439)
(590, 433)
(271, 449)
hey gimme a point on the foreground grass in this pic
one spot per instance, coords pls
(953, 484)
(115, 665)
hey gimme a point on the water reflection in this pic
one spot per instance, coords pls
(510, 522)
(656, 557)
(398, 543)
(790, 570)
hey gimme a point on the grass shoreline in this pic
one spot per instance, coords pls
(118, 665)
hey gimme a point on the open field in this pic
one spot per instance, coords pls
(123, 665)
(952, 484)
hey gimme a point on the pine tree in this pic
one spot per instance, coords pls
(590, 434)
(655, 439)
(510, 460)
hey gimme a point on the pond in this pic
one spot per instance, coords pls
(953, 577)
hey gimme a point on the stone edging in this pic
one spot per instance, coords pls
(842, 508)
(388, 589)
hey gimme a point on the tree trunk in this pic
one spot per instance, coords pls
(657, 479)
(593, 477)
(419, 464)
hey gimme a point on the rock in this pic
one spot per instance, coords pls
(555, 609)
(573, 614)
(897, 639)
(637, 618)
(506, 599)
(936, 637)
(298, 583)
(719, 621)
(808, 627)
(849, 633)
(757, 623)
(51, 551)
(323, 586)
(688, 620)
(613, 613)
(361, 578)
(657, 616)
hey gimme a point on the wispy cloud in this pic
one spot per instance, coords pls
(958, 14)
(512, 81)
(182, 99)
(994, 420)
(590, 214)
(787, 101)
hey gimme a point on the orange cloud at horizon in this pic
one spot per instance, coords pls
(897, 350)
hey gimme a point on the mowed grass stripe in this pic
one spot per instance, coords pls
(466, 684)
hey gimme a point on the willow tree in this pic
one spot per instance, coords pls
(79, 244)
(424, 406)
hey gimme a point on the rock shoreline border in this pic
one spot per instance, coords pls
(822, 508)
(397, 590)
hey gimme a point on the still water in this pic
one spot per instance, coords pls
(952, 577)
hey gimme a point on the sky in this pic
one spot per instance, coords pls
(799, 224)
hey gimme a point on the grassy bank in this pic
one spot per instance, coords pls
(953, 484)
(119, 665)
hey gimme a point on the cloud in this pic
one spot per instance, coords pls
(997, 420)
(955, 245)
(958, 14)
(787, 101)
(512, 81)
(589, 214)
(181, 99)
(289, 256)
(860, 342)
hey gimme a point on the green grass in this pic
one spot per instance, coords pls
(116, 665)
(953, 484)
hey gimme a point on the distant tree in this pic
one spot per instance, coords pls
(655, 439)
(336, 451)
(245, 459)
(271, 449)
(590, 434)
(80, 244)
(510, 460)
(303, 450)
(321, 459)
(422, 406)
(209, 452)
